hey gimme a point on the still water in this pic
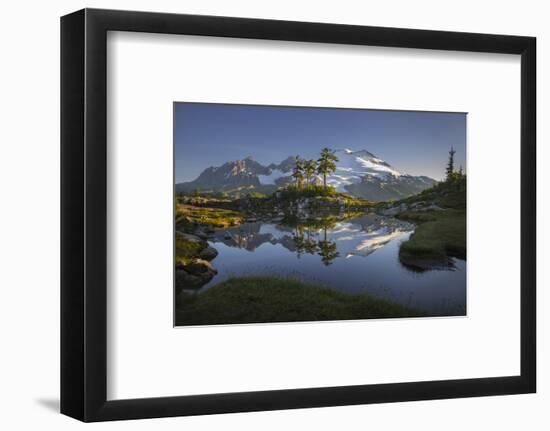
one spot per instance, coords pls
(355, 255)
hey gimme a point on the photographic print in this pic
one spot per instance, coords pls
(289, 214)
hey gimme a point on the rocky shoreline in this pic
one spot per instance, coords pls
(394, 210)
(194, 271)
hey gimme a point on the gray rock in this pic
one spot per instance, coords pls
(426, 206)
(189, 237)
(434, 207)
(201, 234)
(208, 253)
(390, 211)
(184, 280)
(199, 266)
(194, 274)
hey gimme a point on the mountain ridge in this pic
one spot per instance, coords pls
(359, 173)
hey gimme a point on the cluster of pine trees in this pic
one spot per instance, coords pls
(450, 174)
(304, 171)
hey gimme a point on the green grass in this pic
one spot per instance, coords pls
(272, 299)
(438, 236)
(293, 192)
(324, 194)
(230, 193)
(189, 216)
(446, 194)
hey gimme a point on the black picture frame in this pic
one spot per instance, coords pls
(84, 214)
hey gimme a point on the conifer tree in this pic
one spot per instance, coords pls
(298, 171)
(310, 166)
(450, 165)
(326, 164)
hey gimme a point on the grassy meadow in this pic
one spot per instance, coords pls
(275, 299)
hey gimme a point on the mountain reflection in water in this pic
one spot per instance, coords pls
(359, 236)
(353, 255)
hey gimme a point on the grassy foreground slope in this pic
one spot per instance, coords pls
(440, 234)
(272, 299)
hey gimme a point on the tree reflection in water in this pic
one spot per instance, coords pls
(305, 242)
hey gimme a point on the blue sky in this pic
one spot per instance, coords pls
(413, 142)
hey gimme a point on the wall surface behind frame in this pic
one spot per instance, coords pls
(29, 174)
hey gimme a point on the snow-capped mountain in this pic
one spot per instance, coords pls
(359, 173)
(279, 174)
(352, 166)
